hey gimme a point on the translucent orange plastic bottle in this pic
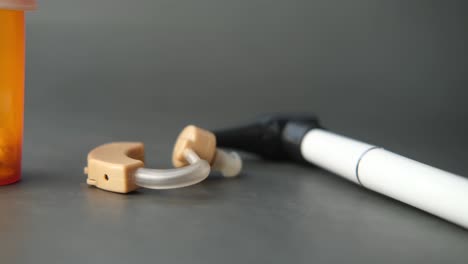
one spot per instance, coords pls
(12, 43)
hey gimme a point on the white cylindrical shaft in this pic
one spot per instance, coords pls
(333, 152)
(433, 190)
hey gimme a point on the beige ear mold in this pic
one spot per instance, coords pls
(203, 143)
(119, 167)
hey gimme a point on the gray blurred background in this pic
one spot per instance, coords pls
(370, 69)
(393, 73)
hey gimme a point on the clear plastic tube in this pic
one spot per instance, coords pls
(196, 172)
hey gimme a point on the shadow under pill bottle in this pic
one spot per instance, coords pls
(12, 62)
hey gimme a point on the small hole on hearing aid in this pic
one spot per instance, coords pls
(106, 177)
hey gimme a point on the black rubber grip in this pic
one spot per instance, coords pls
(274, 137)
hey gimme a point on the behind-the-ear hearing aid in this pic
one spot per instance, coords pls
(119, 166)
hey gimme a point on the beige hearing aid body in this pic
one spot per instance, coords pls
(119, 166)
(111, 166)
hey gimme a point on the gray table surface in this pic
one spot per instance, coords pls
(389, 73)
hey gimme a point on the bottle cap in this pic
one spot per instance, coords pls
(25, 5)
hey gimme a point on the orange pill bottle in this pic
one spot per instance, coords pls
(12, 61)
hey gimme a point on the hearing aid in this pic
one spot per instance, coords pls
(120, 166)
(203, 142)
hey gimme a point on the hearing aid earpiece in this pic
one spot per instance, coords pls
(203, 143)
(119, 167)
